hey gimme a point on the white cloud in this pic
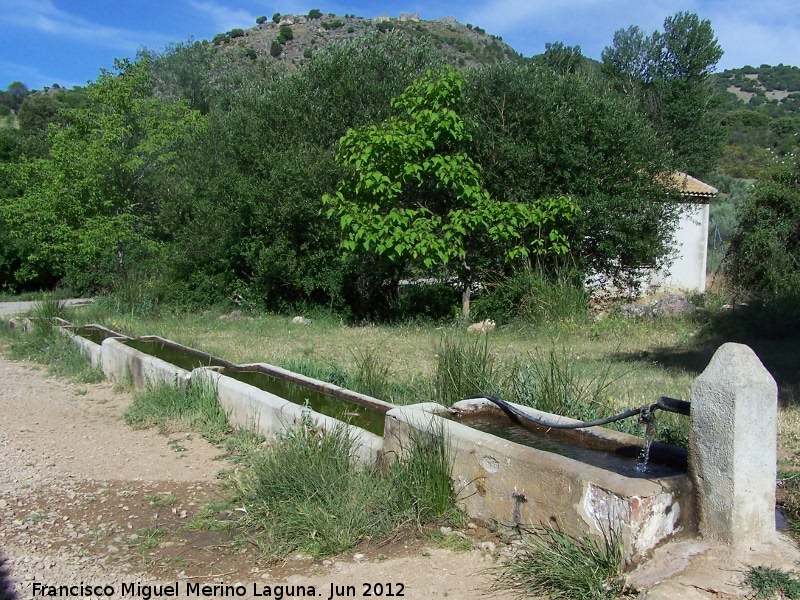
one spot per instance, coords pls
(223, 18)
(43, 16)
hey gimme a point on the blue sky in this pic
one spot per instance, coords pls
(69, 41)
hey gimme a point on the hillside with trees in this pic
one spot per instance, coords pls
(199, 174)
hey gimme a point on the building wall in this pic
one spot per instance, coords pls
(688, 272)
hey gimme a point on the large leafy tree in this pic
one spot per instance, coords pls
(540, 134)
(91, 199)
(413, 194)
(668, 70)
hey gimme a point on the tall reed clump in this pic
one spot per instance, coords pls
(306, 493)
(536, 295)
(171, 408)
(551, 382)
(553, 564)
(464, 366)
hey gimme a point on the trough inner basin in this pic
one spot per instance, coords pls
(366, 417)
(664, 461)
(180, 356)
(95, 334)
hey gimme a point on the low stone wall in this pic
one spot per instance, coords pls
(264, 413)
(511, 484)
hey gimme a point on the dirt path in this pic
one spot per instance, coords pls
(86, 500)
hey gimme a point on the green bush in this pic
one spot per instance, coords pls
(261, 20)
(275, 48)
(276, 17)
(764, 254)
(286, 32)
(219, 38)
(335, 24)
(308, 53)
(236, 33)
(315, 13)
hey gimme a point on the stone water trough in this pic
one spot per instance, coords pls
(724, 489)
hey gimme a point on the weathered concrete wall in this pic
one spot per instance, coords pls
(250, 408)
(508, 483)
(732, 447)
(120, 361)
(320, 386)
(87, 347)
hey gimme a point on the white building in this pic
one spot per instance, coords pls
(688, 271)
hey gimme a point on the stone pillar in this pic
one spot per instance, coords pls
(732, 447)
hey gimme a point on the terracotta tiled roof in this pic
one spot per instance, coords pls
(689, 186)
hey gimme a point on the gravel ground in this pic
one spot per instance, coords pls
(87, 501)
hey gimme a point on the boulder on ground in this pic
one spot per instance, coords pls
(301, 321)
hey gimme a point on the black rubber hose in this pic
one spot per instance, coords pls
(517, 415)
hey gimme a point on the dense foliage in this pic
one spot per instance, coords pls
(196, 175)
(669, 73)
(412, 193)
(765, 252)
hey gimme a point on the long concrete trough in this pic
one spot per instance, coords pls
(256, 410)
(728, 493)
(510, 484)
(121, 362)
(91, 349)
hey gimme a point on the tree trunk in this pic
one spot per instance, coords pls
(466, 292)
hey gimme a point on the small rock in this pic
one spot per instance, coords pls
(636, 310)
(471, 525)
(112, 549)
(446, 530)
(673, 306)
(301, 321)
(488, 547)
(359, 558)
(485, 326)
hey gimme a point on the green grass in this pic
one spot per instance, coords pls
(307, 494)
(770, 583)
(553, 564)
(171, 409)
(47, 345)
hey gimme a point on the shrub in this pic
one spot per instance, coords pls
(280, 39)
(308, 53)
(764, 254)
(315, 13)
(219, 38)
(236, 33)
(286, 32)
(249, 53)
(335, 24)
(276, 17)
(385, 26)
(275, 48)
(261, 20)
